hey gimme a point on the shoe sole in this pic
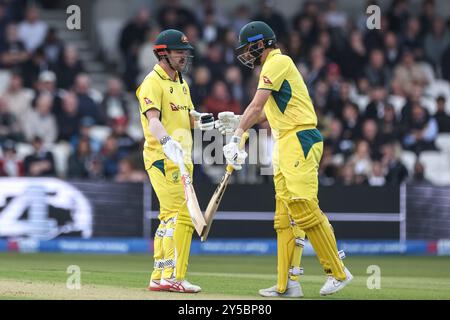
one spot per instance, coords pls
(154, 289)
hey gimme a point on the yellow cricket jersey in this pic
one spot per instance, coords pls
(173, 100)
(289, 106)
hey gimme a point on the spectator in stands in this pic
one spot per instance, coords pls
(41, 163)
(377, 174)
(86, 105)
(80, 161)
(396, 171)
(351, 122)
(412, 39)
(392, 51)
(333, 79)
(12, 53)
(295, 47)
(221, 100)
(407, 74)
(427, 16)
(389, 126)
(374, 38)
(360, 160)
(114, 105)
(333, 139)
(370, 134)
(354, 56)
(146, 58)
(328, 170)
(377, 71)
(128, 173)
(445, 64)
(229, 42)
(268, 13)
(10, 164)
(233, 77)
(69, 118)
(47, 84)
(214, 60)
(398, 15)
(422, 131)
(174, 15)
(347, 175)
(4, 20)
(436, 41)
(335, 17)
(375, 108)
(41, 122)
(32, 30)
(135, 31)
(125, 143)
(68, 68)
(9, 126)
(317, 67)
(241, 17)
(18, 98)
(337, 106)
(419, 174)
(211, 27)
(441, 116)
(53, 46)
(86, 124)
(201, 87)
(110, 157)
(34, 67)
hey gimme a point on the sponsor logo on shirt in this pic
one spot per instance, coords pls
(175, 107)
(266, 80)
(148, 101)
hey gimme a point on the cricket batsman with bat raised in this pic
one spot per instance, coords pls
(282, 98)
(167, 116)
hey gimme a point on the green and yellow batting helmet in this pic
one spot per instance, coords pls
(251, 34)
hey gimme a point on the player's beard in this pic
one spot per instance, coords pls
(182, 64)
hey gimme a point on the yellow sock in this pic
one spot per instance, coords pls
(182, 237)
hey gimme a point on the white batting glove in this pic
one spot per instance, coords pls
(234, 156)
(203, 121)
(172, 149)
(227, 122)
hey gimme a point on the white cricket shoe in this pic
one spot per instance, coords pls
(332, 285)
(293, 290)
(155, 285)
(179, 286)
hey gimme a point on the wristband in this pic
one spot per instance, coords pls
(164, 139)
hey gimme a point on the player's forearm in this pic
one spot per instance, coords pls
(251, 116)
(157, 129)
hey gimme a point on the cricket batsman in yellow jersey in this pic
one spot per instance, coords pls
(282, 98)
(167, 116)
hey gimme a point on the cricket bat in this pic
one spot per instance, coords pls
(191, 200)
(218, 194)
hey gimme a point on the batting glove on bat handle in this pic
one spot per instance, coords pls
(203, 121)
(172, 149)
(227, 122)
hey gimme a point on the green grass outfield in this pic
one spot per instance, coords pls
(44, 276)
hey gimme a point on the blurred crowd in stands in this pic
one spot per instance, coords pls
(369, 87)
